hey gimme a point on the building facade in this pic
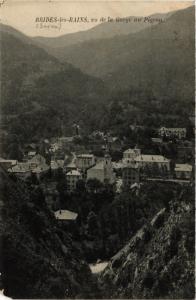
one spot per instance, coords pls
(150, 160)
(7, 163)
(172, 132)
(130, 174)
(22, 170)
(85, 161)
(72, 177)
(102, 171)
(130, 154)
(183, 171)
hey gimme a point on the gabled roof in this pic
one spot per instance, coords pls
(65, 215)
(85, 156)
(98, 166)
(73, 173)
(183, 168)
(32, 153)
(54, 165)
(66, 138)
(157, 140)
(12, 161)
(37, 158)
(71, 165)
(20, 168)
(151, 158)
(41, 168)
(173, 128)
(131, 150)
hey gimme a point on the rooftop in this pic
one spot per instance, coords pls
(157, 140)
(20, 168)
(65, 215)
(131, 150)
(130, 164)
(183, 168)
(66, 138)
(172, 128)
(74, 173)
(151, 158)
(32, 153)
(54, 165)
(98, 166)
(41, 168)
(12, 161)
(71, 165)
(85, 156)
(37, 159)
(117, 165)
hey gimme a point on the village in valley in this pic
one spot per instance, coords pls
(97, 150)
(105, 160)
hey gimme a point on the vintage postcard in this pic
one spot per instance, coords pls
(97, 154)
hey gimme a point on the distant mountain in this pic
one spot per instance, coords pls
(160, 57)
(22, 63)
(102, 31)
(44, 92)
(16, 33)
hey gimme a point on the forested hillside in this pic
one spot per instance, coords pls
(106, 30)
(148, 78)
(159, 58)
(38, 258)
(158, 262)
(40, 95)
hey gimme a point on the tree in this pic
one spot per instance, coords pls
(80, 186)
(93, 226)
(15, 152)
(94, 185)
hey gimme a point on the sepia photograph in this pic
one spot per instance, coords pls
(97, 149)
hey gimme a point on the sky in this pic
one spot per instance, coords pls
(22, 14)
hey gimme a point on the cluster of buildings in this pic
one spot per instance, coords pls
(137, 166)
(134, 168)
(33, 165)
(86, 166)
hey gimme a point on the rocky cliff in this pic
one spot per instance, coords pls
(158, 262)
(38, 259)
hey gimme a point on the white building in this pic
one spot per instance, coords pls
(38, 165)
(102, 171)
(37, 161)
(130, 173)
(65, 215)
(7, 163)
(31, 154)
(130, 154)
(183, 171)
(72, 178)
(172, 132)
(147, 159)
(85, 161)
(40, 170)
(21, 170)
(55, 165)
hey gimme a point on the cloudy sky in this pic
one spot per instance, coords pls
(22, 14)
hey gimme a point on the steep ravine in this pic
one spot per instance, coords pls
(38, 259)
(158, 262)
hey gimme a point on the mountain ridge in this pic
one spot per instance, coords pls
(104, 30)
